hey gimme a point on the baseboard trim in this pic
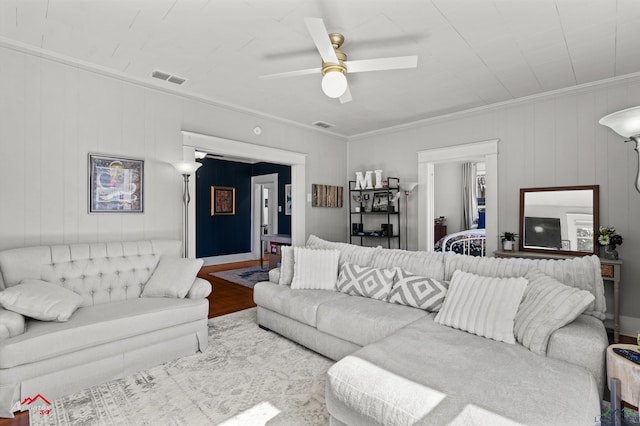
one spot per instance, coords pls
(230, 258)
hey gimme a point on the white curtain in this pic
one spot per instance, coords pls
(469, 195)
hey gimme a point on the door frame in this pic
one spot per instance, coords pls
(256, 197)
(232, 148)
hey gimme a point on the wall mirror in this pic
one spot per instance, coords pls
(561, 220)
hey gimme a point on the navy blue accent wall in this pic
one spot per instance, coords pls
(284, 177)
(223, 235)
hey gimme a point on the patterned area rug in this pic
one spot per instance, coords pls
(247, 277)
(247, 376)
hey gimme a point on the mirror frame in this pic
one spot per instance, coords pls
(596, 219)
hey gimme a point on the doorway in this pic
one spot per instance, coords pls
(264, 208)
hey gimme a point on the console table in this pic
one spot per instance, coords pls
(610, 270)
(278, 239)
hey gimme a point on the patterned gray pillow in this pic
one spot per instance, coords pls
(365, 281)
(418, 291)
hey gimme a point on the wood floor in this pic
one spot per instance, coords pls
(225, 298)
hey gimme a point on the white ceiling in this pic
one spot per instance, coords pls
(471, 52)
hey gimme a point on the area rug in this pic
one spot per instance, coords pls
(247, 376)
(247, 277)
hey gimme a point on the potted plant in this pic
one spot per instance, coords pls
(609, 238)
(508, 240)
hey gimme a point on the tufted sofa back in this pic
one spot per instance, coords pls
(99, 272)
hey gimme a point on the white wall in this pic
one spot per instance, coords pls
(53, 113)
(547, 141)
(448, 194)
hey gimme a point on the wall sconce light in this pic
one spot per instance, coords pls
(626, 123)
(408, 188)
(186, 169)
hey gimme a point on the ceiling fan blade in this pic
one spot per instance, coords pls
(346, 96)
(320, 37)
(381, 64)
(290, 74)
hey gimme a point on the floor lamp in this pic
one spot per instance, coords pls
(186, 169)
(407, 187)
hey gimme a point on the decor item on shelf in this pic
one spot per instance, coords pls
(387, 229)
(186, 169)
(407, 187)
(626, 123)
(115, 184)
(223, 200)
(508, 240)
(380, 202)
(356, 228)
(365, 182)
(609, 238)
(326, 196)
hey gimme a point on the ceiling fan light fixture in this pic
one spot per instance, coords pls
(334, 84)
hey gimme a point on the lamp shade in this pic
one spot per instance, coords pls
(407, 186)
(186, 167)
(334, 84)
(625, 123)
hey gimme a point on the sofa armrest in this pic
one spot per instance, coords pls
(200, 289)
(274, 275)
(583, 342)
(11, 324)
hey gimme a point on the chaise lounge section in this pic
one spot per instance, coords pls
(397, 365)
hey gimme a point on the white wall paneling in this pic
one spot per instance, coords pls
(551, 140)
(53, 113)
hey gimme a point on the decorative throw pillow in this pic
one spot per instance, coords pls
(485, 306)
(418, 291)
(287, 262)
(547, 306)
(315, 269)
(11, 324)
(365, 281)
(173, 277)
(41, 300)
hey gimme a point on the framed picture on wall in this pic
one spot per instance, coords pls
(223, 200)
(287, 199)
(115, 184)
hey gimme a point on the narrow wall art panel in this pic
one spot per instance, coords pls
(326, 196)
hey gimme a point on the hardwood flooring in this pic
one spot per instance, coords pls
(225, 298)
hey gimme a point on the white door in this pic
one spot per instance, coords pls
(265, 210)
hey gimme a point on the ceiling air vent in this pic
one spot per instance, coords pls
(168, 77)
(322, 124)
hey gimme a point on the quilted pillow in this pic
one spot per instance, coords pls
(314, 269)
(418, 291)
(365, 281)
(41, 300)
(547, 306)
(485, 306)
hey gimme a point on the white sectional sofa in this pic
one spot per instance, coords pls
(114, 332)
(398, 366)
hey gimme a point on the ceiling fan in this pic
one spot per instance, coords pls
(335, 64)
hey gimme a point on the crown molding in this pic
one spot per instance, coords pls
(511, 102)
(38, 52)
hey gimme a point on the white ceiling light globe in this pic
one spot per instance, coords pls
(334, 84)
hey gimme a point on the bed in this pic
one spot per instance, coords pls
(471, 242)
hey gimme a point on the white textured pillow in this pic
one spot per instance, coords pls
(485, 306)
(547, 306)
(374, 283)
(315, 269)
(287, 262)
(41, 300)
(418, 291)
(11, 324)
(173, 277)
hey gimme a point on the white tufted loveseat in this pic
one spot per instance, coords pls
(115, 332)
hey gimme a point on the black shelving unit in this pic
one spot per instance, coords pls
(372, 223)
